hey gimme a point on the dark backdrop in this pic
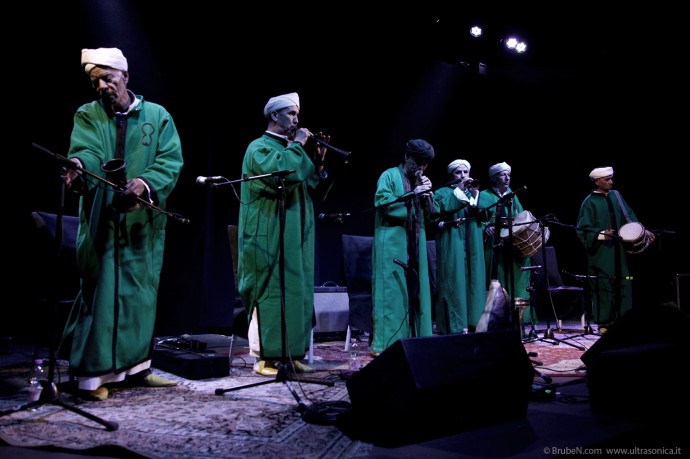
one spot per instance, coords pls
(594, 89)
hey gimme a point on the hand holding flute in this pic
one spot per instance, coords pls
(423, 189)
(302, 135)
(321, 147)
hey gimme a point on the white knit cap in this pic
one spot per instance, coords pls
(278, 102)
(600, 172)
(498, 168)
(457, 163)
(103, 57)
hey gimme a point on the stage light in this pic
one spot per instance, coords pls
(513, 44)
(476, 31)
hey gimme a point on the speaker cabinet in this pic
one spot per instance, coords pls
(682, 289)
(630, 366)
(663, 323)
(426, 387)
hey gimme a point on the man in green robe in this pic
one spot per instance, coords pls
(502, 261)
(121, 236)
(460, 266)
(276, 237)
(401, 290)
(602, 214)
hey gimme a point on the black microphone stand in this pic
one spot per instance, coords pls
(67, 164)
(548, 333)
(283, 374)
(50, 393)
(586, 281)
(508, 259)
(505, 201)
(411, 267)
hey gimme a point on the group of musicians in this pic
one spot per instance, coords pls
(122, 234)
(485, 240)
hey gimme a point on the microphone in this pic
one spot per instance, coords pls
(335, 217)
(657, 231)
(548, 218)
(281, 173)
(510, 195)
(531, 268)
(456, 223)
(67, 164)
(578, 276)
(400, 263)
(181, 219)
(201, 180)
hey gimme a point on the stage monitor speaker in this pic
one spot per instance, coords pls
(627, 365)
(331, 307)
(682, 289)
(663, 323)
(426, 387)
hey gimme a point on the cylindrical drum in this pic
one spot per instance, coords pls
(521, 304)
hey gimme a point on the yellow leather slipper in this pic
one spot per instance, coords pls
(97, 395)
(301, 367)
(265, 369)
(156, 381)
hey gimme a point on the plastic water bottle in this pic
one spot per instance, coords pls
(355, 364)
(36, 375)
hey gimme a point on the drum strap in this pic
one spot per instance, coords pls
(616, 281)
(620, 203)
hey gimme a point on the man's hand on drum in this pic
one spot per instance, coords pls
(606, 235)
(651, 237)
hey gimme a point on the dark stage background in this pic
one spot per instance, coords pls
(372, 80)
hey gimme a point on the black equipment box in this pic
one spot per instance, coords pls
(193, 356)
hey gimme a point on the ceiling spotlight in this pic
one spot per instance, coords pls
(476, 31)
(518, 46)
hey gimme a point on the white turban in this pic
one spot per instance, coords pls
(457, 163)
(600, 172)
(498, 168)
(103, 57)
(278, 102)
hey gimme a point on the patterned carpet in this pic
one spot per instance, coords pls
(264, 418)
(561, 356)
(190, 420)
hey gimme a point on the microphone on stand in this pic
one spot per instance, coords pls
(451, 223)
(578, 276)
(180, 218)
(509, 196)
(335, 217)
(531, 268)
(201, 180)
(400, 263)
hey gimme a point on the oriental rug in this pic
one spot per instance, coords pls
(190, 419)
(560, 356)
(251, 420)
